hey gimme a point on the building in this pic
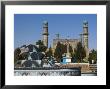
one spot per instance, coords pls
(45, 33)
(73, 42)
(85, 37)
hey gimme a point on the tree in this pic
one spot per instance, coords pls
(42, 48)
(17, 51)
(71, 51)
(49, 52)
(58, 52)
(63, 48)
(79, 52)
(18, 56)
(93, 56)
(39, 42)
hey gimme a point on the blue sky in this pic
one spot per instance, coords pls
(28, 27)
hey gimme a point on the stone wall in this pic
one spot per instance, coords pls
(84, 66)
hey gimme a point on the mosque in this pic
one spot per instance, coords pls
(73, 42)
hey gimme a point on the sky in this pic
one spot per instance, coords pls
(28, 28)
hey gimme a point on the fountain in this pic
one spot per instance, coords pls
(42, 66)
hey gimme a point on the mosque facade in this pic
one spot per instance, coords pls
(72, 42)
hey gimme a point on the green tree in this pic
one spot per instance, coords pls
(49, 52)
(93, 56)
(18, 56)
(63, 48)
(17, 51)
(39, 42)
(42, 48)
(71, 51)
(79, 52)
(58, 52)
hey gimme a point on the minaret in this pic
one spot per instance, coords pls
(85, 37)
(45, 33)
